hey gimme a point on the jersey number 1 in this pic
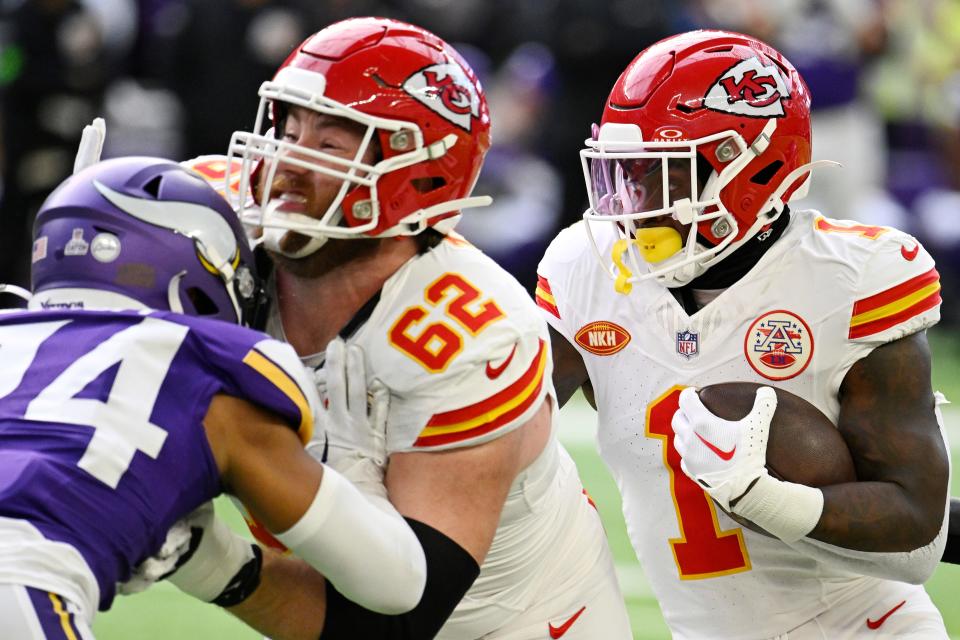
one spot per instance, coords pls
(702, 550)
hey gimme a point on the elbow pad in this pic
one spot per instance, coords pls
(914, 566)
(450, 573)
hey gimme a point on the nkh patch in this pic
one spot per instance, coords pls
(602, 338)
(778, 345)
(688, 343)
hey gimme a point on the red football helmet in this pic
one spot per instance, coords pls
(413, 93)
(709, 128)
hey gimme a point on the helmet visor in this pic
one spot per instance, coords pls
(643, 185)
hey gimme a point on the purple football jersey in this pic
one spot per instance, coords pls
(102, 444)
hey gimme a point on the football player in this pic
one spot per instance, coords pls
(689, 269)
(127, 401)
(367, 144)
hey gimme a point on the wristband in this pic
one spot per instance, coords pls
(787, 510)
(244, 583)
(219, 558)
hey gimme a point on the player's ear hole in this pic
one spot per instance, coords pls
(202, 302)
(153, 187)
(764, 175)
(426, 185)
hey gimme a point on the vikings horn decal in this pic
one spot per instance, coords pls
(447, 90)
(213, 235)
(749, 89)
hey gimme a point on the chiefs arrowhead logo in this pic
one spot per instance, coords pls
(602, 338)
(446, 89)
(749, 89)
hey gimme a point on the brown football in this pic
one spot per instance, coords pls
(804, 446)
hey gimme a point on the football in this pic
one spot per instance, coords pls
(804, 446)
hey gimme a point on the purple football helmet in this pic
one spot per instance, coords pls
(150, 231)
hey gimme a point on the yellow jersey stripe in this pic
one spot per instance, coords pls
(896, 306)
(269, 370)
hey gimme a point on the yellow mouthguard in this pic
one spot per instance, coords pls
(656, 244)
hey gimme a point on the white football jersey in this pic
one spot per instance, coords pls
(821, 298)
(466, 358)
(465, 355)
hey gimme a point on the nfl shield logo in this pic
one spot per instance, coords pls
(687, 343)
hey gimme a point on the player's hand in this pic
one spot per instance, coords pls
(725, 457)
(91, 145)
(174, 551)
(355, 407)
(217, 559)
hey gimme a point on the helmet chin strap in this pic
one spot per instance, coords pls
(774, 201)
(272, 238)
(20, 292)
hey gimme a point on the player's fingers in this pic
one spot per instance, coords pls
(356, 380)
(764, 405)
(320, 379)
(379, 403)
(682, 432)
(91, 145)
(334, 364)
(693, 408)
(177, 539)
(687, 472)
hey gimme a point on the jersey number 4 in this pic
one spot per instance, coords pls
(435, 344)
(703, 550)
(141, 354)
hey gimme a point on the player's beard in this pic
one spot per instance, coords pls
(334, 253)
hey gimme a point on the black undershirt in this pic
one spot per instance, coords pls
(729, 270)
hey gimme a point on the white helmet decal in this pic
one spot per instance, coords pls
(749, 89)
(447, 90)
(203, 224)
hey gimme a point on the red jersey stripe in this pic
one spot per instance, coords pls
(505, 418)
(895, 293)
(884, 323)
(491, 404)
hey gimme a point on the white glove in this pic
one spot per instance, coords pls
(163, 562)
(724, 457)
(356, 410)
(728, 459)
(91, 145)
(219, 556)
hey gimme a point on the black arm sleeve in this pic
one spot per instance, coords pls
(951, 553)
(450, 572)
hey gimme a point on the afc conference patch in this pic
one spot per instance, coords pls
(688, 343)
(778, 345)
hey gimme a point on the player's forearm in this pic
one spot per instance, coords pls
(869, 528)
(915, 566)
(289, 604)
(876, 516)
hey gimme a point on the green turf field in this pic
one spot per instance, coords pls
(163, 612)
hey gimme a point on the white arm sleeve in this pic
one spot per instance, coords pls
(914, 566)
(361, 545)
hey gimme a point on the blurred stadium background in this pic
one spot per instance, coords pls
(175, 77)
